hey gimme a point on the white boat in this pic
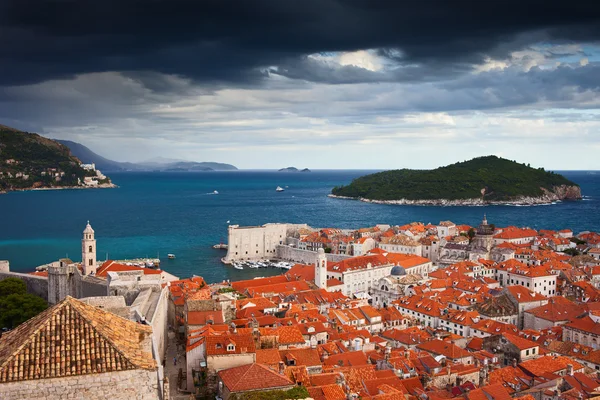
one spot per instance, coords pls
(237, 266)
(279, 189)
(171, 256)
(215, 192)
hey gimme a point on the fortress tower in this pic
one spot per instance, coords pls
(88, 251)
(321, 270)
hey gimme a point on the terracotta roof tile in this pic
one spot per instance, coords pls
(218, 345)
(253, 377)
(73, 338)
(111, 266)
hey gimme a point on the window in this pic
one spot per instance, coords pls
(91, 262)
(230, 347)
(90, 249)
(526, 352)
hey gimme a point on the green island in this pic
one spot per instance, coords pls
(30, 161)
(482, 180)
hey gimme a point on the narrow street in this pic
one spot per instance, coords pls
(172, 370)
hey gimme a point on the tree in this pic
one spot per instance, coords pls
(17, 308)
(471, 234)
(10, 286)
(572, 252)
(327, 250)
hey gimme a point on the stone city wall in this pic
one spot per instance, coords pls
(92, 286)
(122, 385)
(37, 285)
(287, 253)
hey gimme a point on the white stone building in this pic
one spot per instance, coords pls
(254, 242)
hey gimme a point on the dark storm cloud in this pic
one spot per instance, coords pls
(235, 41)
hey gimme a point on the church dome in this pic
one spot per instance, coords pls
(398, 271)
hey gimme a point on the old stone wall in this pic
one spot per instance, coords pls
(123, 385)
(92, 286)
(160, 323)
(37, 285)
(304, 256)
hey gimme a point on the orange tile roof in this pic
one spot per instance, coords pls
(205, 317)
(253, 377)
(515, 233)
(330, 378)
(439, 347)
(356, 263)
(351, 358)
(302, 272)
(57, 343)
(549, 364)
(585, 324)
(519, 342)
(406, 260)
(524, 295)
(327, 392)
(217, 345)
(369, 311)
(241, 286)
(267, 356)
(305, 357)
(489, 392)
(111, 266)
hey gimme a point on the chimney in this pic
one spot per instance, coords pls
(281, 367)
(514, 362)
(570, 369)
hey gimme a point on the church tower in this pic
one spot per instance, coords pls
(321, 270)
(88, 250)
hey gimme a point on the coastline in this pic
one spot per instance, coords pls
(522, 201)
(102, 186)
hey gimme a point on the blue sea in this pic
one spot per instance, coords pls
(153, 214)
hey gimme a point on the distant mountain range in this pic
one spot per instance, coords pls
(87, 156)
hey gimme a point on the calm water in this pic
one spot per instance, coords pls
(154, 214)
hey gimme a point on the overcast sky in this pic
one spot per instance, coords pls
(312, 83)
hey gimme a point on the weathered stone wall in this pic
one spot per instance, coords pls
(105, 301)
(254, 242)
(125, 385)
(160, 325)
(37, 285)
(442, 380)
(304, 256)
(92, 286)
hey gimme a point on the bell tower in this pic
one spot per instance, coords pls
(88, 250)
(321, 270)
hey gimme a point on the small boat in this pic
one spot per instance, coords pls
(279, 189)
(237, 266)
(215, 192)
(171, 256)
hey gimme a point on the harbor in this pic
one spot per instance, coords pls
(262, 264)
